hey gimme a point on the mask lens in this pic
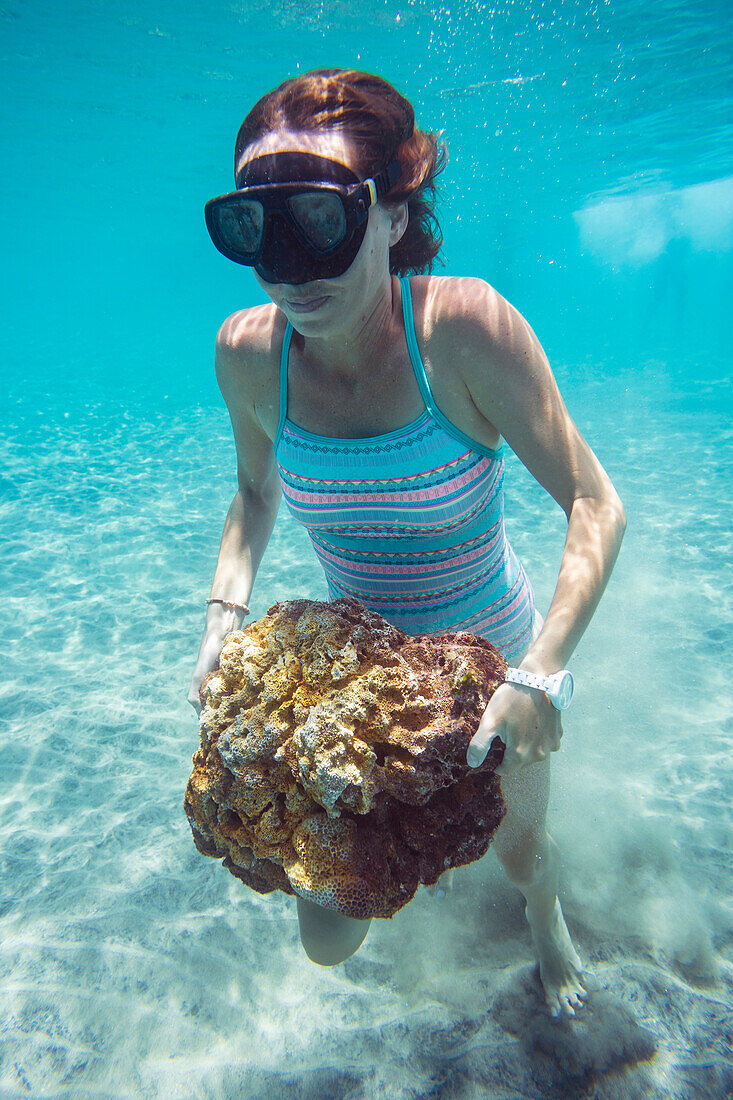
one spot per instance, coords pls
(321, 217)
(240, 225)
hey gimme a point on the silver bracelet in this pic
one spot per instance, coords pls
(229, 603)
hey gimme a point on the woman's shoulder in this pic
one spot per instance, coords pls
(466, 318)
(451, 301)
(248, 346)
(250, 333)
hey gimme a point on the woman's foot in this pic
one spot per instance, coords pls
(560, 965)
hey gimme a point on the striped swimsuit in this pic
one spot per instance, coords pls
(411, 523)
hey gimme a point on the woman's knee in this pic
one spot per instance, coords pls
(329, 938)
(521, 855)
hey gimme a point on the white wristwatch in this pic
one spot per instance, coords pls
(559, 686)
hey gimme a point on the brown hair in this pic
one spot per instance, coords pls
(382, 124)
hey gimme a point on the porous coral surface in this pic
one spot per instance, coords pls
(332, 761)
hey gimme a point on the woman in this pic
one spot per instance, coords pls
(379, 404)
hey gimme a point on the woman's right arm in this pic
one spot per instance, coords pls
(252, 513)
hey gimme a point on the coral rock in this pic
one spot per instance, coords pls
(333, 756)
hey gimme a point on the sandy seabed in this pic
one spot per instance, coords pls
(131, 966)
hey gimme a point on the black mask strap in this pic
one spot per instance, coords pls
(387, 178)
(291, 167)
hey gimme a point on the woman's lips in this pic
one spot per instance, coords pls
(307, 306)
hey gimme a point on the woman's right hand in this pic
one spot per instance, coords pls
(220, 621)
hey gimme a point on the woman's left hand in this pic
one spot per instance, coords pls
(525, 720)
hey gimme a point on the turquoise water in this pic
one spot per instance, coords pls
(591, 181)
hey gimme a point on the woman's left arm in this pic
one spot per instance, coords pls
(512, 386)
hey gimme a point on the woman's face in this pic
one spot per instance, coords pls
(324, 305)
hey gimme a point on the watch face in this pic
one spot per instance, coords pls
(565, 691)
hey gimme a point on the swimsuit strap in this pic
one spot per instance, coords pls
(287, 339)
(422, 378)
(414, 351)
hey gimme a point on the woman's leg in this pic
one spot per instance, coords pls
(531, 860)
(328, 937)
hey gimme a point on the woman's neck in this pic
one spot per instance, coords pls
(348, 352)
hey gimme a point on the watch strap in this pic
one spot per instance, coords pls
(558, 687)
(527, 679)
